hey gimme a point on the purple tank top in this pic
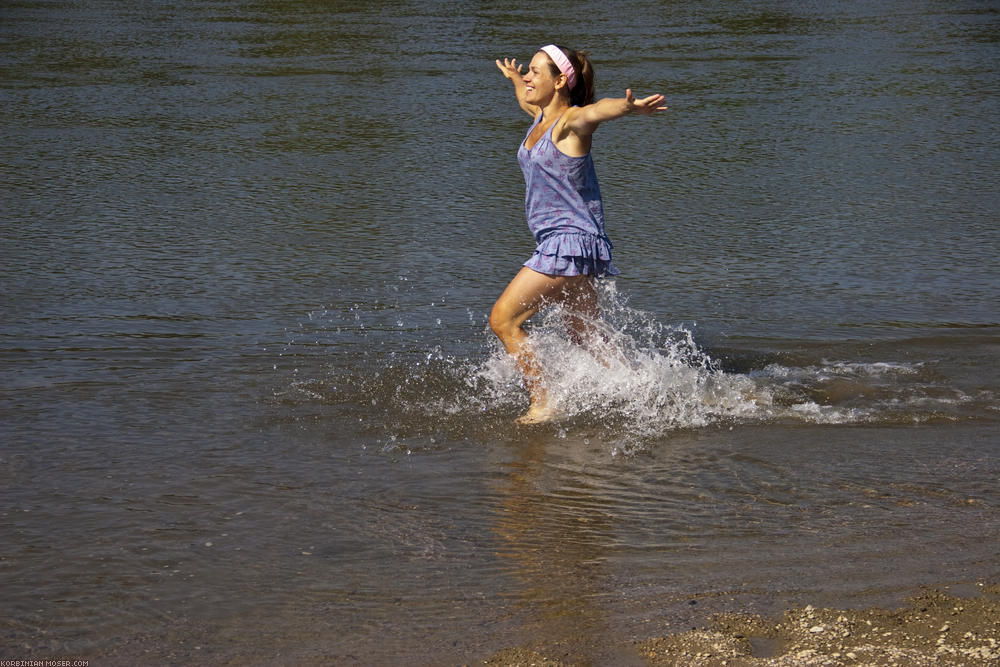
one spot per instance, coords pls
(564, 209)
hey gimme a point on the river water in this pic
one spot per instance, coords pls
(250, 407)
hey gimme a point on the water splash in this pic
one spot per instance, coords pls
(638, 375)
(419, 377)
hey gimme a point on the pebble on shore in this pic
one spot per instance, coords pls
(934, 629)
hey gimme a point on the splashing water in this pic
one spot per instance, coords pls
(638, 375)
(636, 381)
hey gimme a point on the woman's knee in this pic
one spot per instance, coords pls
(500, 322)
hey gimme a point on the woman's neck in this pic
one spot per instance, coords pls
(555, 108)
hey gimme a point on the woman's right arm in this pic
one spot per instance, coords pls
(511, 70)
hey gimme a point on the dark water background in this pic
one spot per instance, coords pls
(249, 406)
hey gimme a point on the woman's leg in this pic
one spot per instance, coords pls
(582, 316)
(526, 294)
(581, 312)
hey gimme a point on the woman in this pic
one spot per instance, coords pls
(563, 205)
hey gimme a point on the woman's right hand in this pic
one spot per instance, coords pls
(509, 68)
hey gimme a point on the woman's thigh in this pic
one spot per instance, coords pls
(529, 291)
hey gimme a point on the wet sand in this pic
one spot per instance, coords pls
(933, 628)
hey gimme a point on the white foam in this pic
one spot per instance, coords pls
(828, 370)
(826, 414)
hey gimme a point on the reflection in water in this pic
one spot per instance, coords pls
(556, 541)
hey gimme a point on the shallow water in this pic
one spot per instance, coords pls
(249, 406)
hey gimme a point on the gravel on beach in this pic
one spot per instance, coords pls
(934, 628)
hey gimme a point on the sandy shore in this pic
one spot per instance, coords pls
(934, 628)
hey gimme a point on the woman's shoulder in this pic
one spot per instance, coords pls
(568, 124)
(572, 116)
(566, 119)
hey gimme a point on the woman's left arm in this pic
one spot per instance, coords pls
(585, 121)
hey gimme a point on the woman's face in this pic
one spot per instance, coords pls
(539, 82)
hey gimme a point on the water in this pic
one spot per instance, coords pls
(250, 407)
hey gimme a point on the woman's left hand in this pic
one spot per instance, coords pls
(647, 106)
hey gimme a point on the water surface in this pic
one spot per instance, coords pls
(249, 405)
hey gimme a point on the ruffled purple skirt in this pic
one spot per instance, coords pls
(573, 254)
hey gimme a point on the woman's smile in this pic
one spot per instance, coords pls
(535, 78)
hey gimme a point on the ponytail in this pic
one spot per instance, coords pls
(582, 93)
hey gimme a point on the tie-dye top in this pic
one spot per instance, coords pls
(565, 212)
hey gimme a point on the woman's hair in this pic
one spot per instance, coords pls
(582, 93)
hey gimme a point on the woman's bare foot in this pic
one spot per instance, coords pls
(537, 414)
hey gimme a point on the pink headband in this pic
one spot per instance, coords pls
(562, 62)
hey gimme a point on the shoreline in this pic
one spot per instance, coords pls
(932, 628)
